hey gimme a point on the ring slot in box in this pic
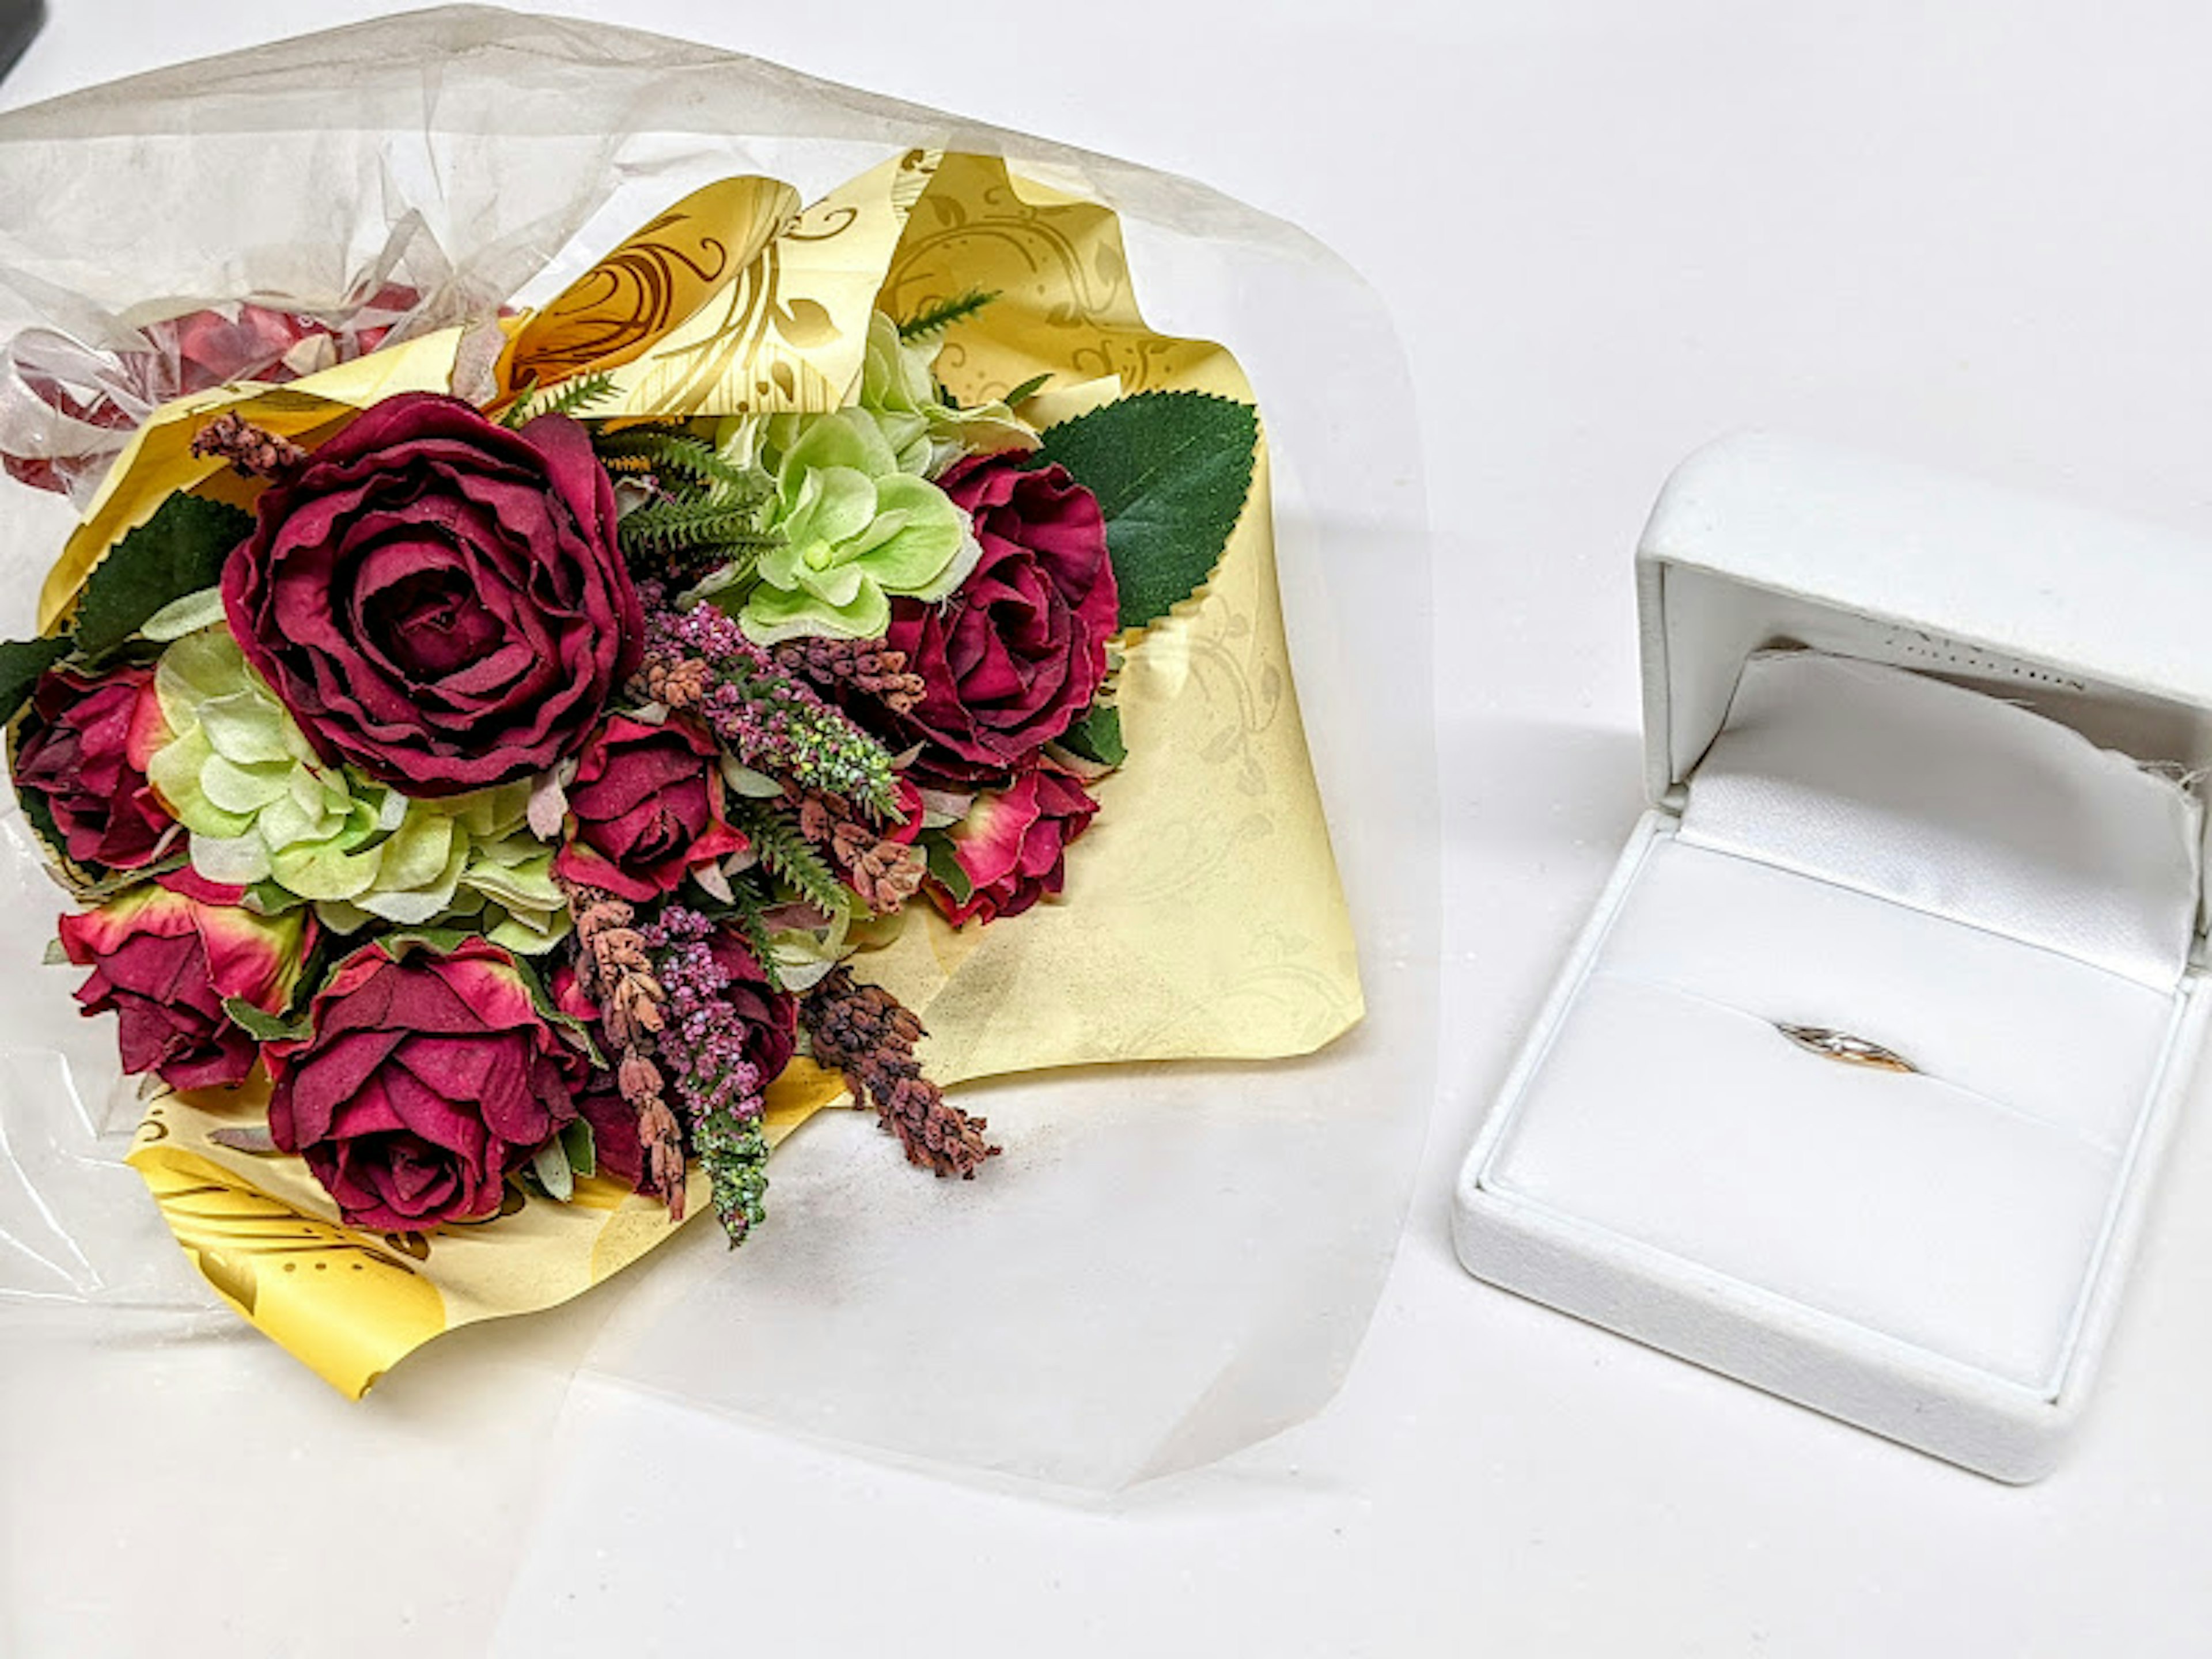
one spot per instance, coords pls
(1918, 756)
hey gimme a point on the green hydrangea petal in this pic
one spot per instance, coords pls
(239, 860)
(771, 615)
(835, 504)
(195, 670)
(527, 932)
(419, 851)
(324, 869)
(341, 917)
(235, 789)
(246, 728)
(429, 898)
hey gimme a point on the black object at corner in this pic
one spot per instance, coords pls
(20, 21)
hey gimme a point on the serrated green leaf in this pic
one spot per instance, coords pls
(178, 551)
(1098, 736)
(551, 1163)
(944, 868)
(262, 1026)
(1171, 470)
(22, 662)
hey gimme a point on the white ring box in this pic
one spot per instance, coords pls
(1920, 757)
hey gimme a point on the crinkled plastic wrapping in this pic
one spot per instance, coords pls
(1171, 1261)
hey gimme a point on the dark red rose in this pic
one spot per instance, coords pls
(646, 808)
(1012, 846)
(616, 1149)
(1018, 653)
(164, 958)
(438, 599)
(771, 1016)
(82, 749)
(426, 1082)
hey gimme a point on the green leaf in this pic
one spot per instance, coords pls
(583, 1151)
(940, 314)
(187, 615)
(551, 1162)
(571, 398)
(178, 551)
(437, 941)
(262, 1026)
(22, 662)
(1171, 470)
(1098, 736)
(945, 866)
(1027, 390)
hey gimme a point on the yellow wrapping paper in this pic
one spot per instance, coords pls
(1203, 918)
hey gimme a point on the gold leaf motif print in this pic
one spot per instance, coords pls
(652, 282)
(334, 1297)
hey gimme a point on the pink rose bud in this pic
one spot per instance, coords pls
(165, 957)
(646, 808)
(1012, 846)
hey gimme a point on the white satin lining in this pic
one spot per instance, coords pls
(1956, 803)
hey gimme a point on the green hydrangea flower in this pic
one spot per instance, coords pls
(265, 812)
(899, 388)
(860, 521)
(856, 530)
(899, 393)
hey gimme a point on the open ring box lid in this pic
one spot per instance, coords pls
(1921, 758)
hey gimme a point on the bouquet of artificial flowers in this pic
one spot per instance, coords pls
(491, 751)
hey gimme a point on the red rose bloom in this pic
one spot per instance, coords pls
(771, 1016)
(83, 749)
(427, 1081)
(645, 809)
(616, 1151)
(1012, 847)
(1018, 653)
(165, 958)
(440, 600)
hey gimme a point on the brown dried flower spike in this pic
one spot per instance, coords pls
(252, 451)
(617, 973)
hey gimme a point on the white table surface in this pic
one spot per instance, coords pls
(1608, 231)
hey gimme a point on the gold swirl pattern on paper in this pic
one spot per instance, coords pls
(1202, 917)
(350, 1304)
(649, 284)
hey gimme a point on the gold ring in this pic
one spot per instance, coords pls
(1844, 1047)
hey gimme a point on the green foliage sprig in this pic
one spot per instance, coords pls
(790, 856)
(570, 399)
(940, 314)
(694, 460)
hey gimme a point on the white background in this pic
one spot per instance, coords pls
(1981, 237)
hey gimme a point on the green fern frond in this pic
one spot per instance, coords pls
(940, 314)
(791, 856)
(748, 914)
(693, 458)
(571, 397)
(665, 527)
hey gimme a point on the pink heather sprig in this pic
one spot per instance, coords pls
(767, 716)
(702, 1041)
